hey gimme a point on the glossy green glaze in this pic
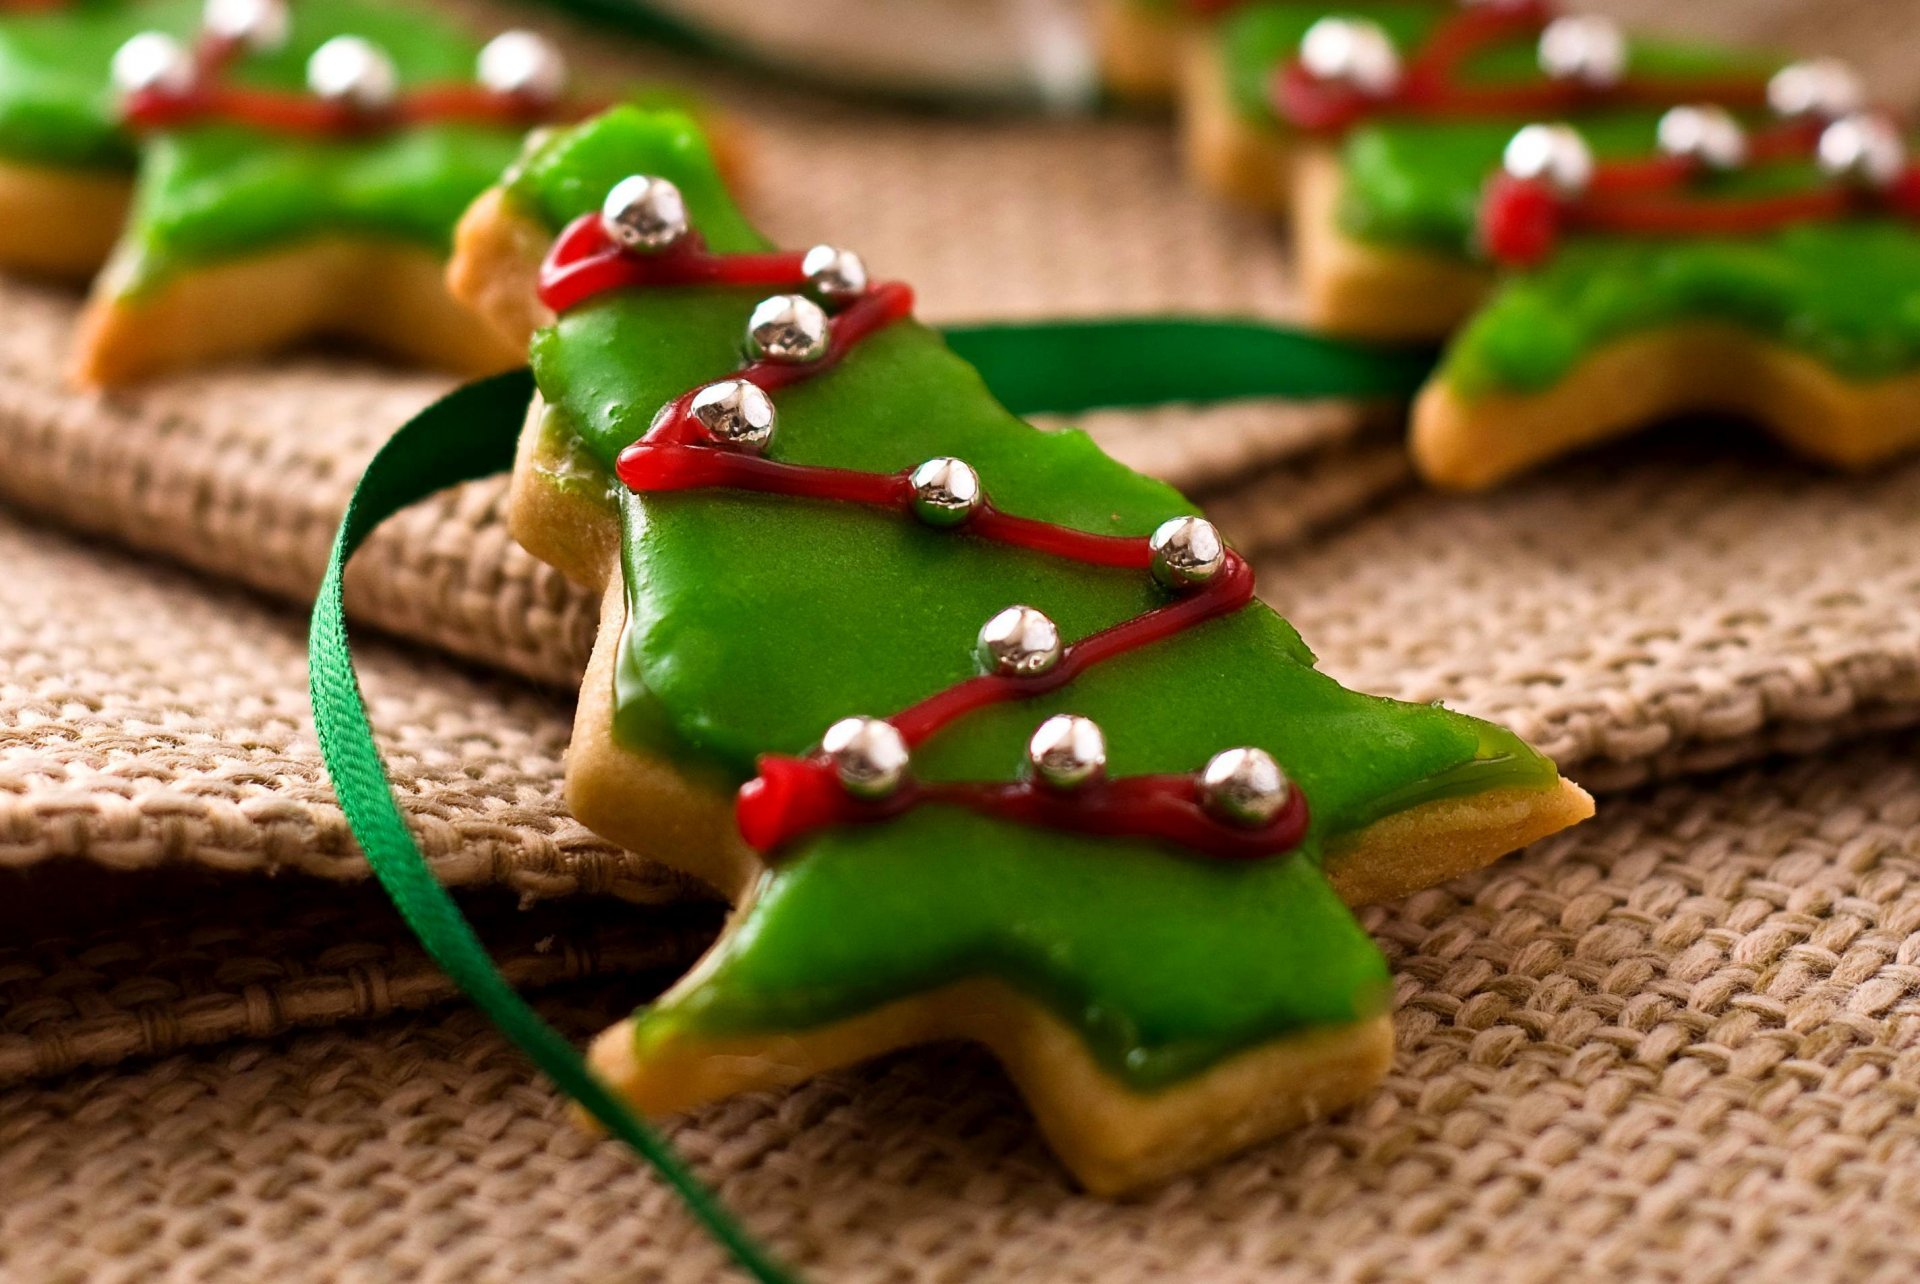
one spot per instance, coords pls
(212, 192)
(756, 621)
(56, 104)
(1846, 294)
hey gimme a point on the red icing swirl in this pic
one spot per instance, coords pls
(795, 796)
(1432, 85)
(1522, 221)
(212, 99)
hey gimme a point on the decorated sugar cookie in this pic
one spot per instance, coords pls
(1626, 229)
(301, 165)
(986, 735)
(1771, 270)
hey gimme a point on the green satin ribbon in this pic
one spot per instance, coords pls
(471, 433)
(1064, 367)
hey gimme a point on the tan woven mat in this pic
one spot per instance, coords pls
(149, 721)
(1676, 1044)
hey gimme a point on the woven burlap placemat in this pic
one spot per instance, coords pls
(1676, 603)
(1674, 1044)
(148, 720)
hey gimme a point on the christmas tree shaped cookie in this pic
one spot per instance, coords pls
(300, 168)
(1770, 269)
(985, 734)
(1627, 229)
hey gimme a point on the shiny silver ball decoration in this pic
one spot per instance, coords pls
(788, 328)
(869, 756)
(644, 214)
(1068, 751)
(946, 491)
(1019, 642)
(1866, 150)
(1586, 49)
(1556, 155)
(1187, 551)
(734, 413)
(1244, 787)
(259, 25)
(152, 62)
(1355, 52)
(353, 72)
(836, 275)
(1817, 89)
(1708, 135)
(523, 64)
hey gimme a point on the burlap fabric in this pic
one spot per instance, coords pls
(174, 868)
(1676, 1044)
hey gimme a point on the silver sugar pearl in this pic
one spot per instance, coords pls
(644, 214)
(1019, 642)
(522, 64)
(1244, 787)
(734, 413)
(1356, 52)
(152, 62)
(354, 72)
(946, 491)
(259, 25)
(1556, 155)
(836, 275)
(1068, 751)
(1708, 135)
(1817, 89)
(1584, 48)
(788, 328)
(1867, 150)
(1187, 551)
(869, 756)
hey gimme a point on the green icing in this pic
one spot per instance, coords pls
(211, 192)
(1164, 966)
(1163, 962)
(1418, 183)
(56, 104)
(1846, 294)
(1256, 39)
